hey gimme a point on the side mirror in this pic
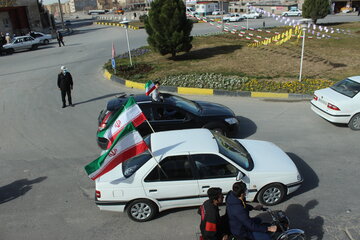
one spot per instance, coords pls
(240, 176)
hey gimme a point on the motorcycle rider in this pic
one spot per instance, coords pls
(242, 227)
(212, 226)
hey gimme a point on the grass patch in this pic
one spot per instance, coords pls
(225, 61)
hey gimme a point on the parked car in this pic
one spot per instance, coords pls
(217, 12)
(339, 103)
(42, 37)
(233, 17)
(173, 113)
(184, 164)
(21, 43)
(253, 15)
(292, 12)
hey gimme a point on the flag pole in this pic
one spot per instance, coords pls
(157, 162)
(150, 125)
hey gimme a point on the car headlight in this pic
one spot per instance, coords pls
(231, 120)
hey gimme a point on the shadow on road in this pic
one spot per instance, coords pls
(17, 189)
(207, 52)
(300, 218)
(83, 31)
(311, 179)
(246, 128)
(98, 98)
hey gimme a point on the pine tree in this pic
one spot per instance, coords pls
(168, 28)
(315, 9)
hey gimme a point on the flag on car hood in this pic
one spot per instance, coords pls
(130, 112)
(149, 87)
(128, 144)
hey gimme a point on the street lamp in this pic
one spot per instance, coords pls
(303, 23)
(126, 23)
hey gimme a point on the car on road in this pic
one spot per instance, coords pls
(339, 103)
(184, 164)
(42, 37)
(217, 12)
(233, 17)
(292, 13)
(253, 15)
(174, 112)
(21, 43)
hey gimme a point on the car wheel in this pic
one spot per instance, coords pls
(142, 210)
(299, 15)
(354, 123)
(271, 194)
(285, 14)
(46, 41)
(10, 51)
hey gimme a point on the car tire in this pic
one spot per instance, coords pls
(285, 14)
(354, 123)
(141, 210)
(10, 51)
(46, 41)
(271, 194)
(299, 15)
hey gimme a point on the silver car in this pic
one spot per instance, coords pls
(21, 43)
(43, 38)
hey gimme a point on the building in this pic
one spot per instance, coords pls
(82, 5)
(275, 7)
(54, 9)
(20, 16)
(131, 4)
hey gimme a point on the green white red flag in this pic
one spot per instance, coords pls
(128, 144)
(130, 112)
(149, 87)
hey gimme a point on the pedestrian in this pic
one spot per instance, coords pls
(8, 38)
(155, 95)
(59, 38)
(359, 11)
(65, 84)
(212, 226)
(2, 39)
(263, 24)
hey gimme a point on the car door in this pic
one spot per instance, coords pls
(168, 117)
(174, 184)
(28, 41)
(18, 44)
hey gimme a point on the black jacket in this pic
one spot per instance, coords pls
(65, 81)
(211, 225)
(240, 223)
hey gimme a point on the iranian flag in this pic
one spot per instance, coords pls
(149, 87)
(128, 144)
(129, 113)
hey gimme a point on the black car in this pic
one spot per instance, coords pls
(173, 113)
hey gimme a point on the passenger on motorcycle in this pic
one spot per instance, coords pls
(212, 226)
(242, 227)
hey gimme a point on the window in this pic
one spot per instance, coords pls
(166, 112)
(173, 168)
(213, 166)
(146, 109)
(347, 87)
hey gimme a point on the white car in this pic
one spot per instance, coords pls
(339, 103)
(21, 43)
(217, 12)
(43, 38)
(292, 13)
(233, 17)
(253, 15)
(184, 164)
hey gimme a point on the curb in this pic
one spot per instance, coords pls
(116, 24)
(208, 91)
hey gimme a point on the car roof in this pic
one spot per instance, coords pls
(183, 141)
(355, 78)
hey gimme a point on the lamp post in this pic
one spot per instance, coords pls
(126, 23)
(303, 24)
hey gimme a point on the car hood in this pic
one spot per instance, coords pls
(214, 109)
(268, 158)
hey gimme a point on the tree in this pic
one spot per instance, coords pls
(315, 9)
(168, 28)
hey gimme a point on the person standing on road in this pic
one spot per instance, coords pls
(59, 38)
(65, 84)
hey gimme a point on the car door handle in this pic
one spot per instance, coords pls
(153, 190)
(205, 186)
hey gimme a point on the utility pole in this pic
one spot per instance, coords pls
(61, 15)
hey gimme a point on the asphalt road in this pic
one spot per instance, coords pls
(45, 193)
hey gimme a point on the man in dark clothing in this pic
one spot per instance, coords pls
(242, 227)
(59, 38)
(212, 226)
(65, 84)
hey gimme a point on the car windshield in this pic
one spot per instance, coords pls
(130, 166)
(184, 103)
(233, 150)
(347, 87)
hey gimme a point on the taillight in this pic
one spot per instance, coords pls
(316, 98)
(333, 107)
(97, 194)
